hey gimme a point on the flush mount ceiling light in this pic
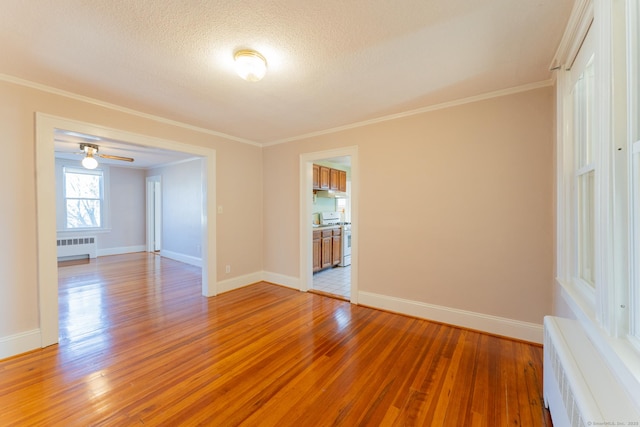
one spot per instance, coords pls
(250, 65)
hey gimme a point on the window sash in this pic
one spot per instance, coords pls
(84, 208)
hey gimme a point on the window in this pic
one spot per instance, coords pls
(84, 198)
(633, 73)
(582, 172)
(583, 140)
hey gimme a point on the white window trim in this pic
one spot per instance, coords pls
(606, 320)
(633, 139)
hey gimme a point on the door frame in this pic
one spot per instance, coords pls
(154, 213)
(306, 203)
(46, 207)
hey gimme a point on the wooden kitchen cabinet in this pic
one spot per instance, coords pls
(316, 177)
(343, 181)
(336, 254)
(317, 251)
(325, 178)
(327, 248)
(334, 179)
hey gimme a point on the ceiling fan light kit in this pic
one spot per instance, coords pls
(90, 162)
(91, 152)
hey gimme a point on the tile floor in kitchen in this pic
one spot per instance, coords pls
(336, 280)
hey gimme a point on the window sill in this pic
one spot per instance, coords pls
(622, 357)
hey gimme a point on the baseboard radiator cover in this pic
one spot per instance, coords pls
(579, 388)
(69, 247)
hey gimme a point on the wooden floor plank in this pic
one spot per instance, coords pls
(139, 345)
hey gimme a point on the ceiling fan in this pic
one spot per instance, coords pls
(90, 152)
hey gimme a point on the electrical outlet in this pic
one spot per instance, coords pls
(227, 269)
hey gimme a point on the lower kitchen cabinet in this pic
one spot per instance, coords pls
(336, 241)
(327, 248)
(317, 252)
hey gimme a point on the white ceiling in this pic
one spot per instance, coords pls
(331, 63)
(67, 146)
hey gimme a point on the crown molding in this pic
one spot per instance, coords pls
(86, 99)
(579, 23)
(481, 97)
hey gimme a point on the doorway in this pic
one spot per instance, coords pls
(345, 274)
(154, 214)
(331, 215)
(46, 126)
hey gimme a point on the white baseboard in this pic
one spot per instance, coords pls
(121, 250)
(517, 329)
(187, 259)
(239, 282)
(281, 279)
(19, 343)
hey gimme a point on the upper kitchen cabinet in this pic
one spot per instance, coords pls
(316, 177)
(334, 179)
(343, 181)
(326, 178)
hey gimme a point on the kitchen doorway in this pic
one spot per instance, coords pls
(321, 214)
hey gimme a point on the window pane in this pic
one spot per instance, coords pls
(586, 227)
(83, 213)
(635, 289)
(583, 93)
(86, 186)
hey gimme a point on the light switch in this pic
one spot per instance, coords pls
(219, 209)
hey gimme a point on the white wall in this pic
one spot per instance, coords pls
(127, 206)
(181, 210)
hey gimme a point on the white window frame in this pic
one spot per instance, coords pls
(611, 313)
(101, 198)
(580, 170)
(61, 220)
(633, 165)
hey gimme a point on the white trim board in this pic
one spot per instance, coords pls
(19, 343)
(502, 326)
(281, 279)
(239, 282)
(177, 256)
(121, 250)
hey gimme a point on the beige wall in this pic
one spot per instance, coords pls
(470, 189)
(239, 172)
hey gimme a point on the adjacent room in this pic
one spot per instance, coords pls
(335, 213)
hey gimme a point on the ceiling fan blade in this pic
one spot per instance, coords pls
(71, 152)
(107, 156)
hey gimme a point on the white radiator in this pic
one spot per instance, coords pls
(77, 246)
(579, 388)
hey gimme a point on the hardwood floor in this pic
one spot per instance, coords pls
(140, 345)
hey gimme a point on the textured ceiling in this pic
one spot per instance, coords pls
(331, 63)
